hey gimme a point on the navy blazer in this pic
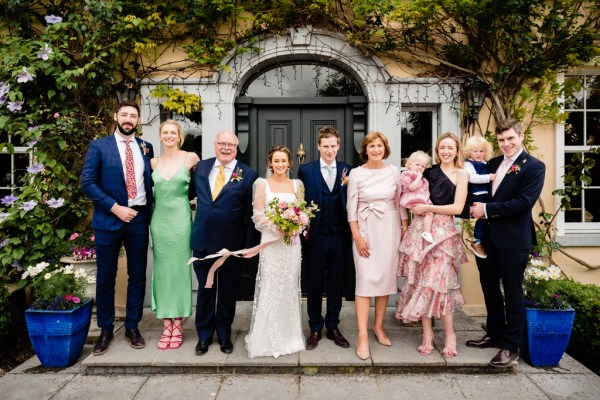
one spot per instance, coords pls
(310, 174)
(510, 224)
(227, 221)
(103, 180)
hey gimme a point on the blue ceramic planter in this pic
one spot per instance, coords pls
(58, 337)
(548, 333)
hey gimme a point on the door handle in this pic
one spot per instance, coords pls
(301, 154)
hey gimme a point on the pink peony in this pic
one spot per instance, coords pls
(76, 300)
(74, 236)
(68, 297)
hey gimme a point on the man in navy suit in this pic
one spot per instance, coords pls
(223, 220)
(116, 177)
(507, 241)
(328, 238)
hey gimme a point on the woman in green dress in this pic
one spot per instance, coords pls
(170, 228)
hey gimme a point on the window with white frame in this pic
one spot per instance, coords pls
(581, 134)
(12, 166)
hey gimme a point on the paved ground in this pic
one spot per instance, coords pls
(328, 372)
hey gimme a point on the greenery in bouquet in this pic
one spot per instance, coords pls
(82, 246)
(55, 287)
(291, 218)
(540, 286)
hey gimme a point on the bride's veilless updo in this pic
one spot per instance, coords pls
(282, 149)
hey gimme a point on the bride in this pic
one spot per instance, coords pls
(276, 327)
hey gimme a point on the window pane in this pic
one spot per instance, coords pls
(592, 205)
(21, 164)
(575, 100)
(595, 172)
(415, 127)
(593, 128)
(4, 170)
(574, 129)
(593, 92)
(303, 80)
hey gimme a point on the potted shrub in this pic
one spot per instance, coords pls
(82, 252)
(59, 317)
(549, 318)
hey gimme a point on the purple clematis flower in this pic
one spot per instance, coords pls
(3, 243)
(55, 203)
(4, 89)
(28, 205)
(3, 216)
(8, 200)
(24, 76)
(35, 168)
(52, 19)
(44, 51)
(15, 106)
(33, 142)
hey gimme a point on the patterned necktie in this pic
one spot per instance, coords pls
(330, 177)
(500, 172)
(219, 182)
(130, 172)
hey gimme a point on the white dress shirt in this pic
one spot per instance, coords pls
(512, 159)
(138, 162)
(228, 170)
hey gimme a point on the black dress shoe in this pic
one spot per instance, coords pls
(134, 338)
(484, 343)
(337, 338)
(202, 347)
(504, 358)
(103, 342)
(313, 340)
(226, 346)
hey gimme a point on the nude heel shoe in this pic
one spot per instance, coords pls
(383, 342)
(363, 355)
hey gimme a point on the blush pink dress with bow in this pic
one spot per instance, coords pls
(373, 196)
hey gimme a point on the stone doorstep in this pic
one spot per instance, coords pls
(400, 358)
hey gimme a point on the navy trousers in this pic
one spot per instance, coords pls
(134, 237)
(325, 262)
(215, 307)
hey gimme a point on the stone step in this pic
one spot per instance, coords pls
(401, 357)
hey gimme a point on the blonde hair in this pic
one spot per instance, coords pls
(418, 154)
(458, 160)
(478, 142)
(179, 130)
(371, 137)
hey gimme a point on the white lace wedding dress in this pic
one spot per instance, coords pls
(276, 327)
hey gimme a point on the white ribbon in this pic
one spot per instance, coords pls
(223, 254)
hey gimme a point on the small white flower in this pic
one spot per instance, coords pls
(25, 274)
(91, 280)
(47, 276)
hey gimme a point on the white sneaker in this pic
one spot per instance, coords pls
(427, 236)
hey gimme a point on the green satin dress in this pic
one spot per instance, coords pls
(171, 228)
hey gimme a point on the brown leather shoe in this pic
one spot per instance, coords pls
(337, 338)
(484, 343)
(313, 340)
(103, 342)
(478, 250)
(134, 338)
(504, 358)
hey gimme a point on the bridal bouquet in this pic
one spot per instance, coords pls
(292, 218)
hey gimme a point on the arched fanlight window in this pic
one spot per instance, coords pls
(302, 80)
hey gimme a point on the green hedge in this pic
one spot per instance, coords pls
(584, 344)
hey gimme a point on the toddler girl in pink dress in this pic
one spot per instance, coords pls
(415, 188)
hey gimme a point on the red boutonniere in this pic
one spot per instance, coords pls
(145, 150)
(237, 176)
(344, 178)
(515, 168)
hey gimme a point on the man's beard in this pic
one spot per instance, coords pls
(124, 131)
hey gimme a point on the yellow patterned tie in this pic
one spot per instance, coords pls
(219, 183)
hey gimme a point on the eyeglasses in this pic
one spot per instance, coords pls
(224, 145)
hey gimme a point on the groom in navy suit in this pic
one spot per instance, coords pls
(116, 177)
(223, 220)
(328, 239)
(507, 241)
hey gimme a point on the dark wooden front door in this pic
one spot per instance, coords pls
(294, 123)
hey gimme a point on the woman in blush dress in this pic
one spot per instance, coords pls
(276, 326)
(431, 287)
(377, 223)
(171, 227)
